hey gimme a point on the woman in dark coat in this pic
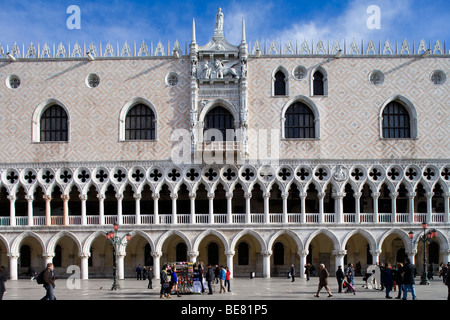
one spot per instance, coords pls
(3, 278)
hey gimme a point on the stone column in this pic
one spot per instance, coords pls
(83, 199)
(119, 198)
(266, 196)
(321, 195)
(12, 210)
(229, 196)
(193, 255)
(375, 196)
(357, 196)
(338, 201)
(30, 199)
(375, 256)
(192, 196)
(411, 197)
(446, 196)
(394, 196)
(48, 216)
(230, 255)
(284, 196)
(339, 258)
(429, 196)
(155, 209)
(247, 197)
(65, 198)
(303, 254)
(137, 198)
(266, 263)
(13, 267)
(120, 265)
(101, 208)
(84, 265)
(174, 197)
(156, 264)
(303, 206)
(210, 196)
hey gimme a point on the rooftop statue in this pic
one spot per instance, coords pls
(218, 28)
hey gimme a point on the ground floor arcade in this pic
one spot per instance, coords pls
(266, 251)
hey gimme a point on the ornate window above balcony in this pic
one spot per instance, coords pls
(218, 122)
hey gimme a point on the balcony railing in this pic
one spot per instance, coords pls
(236, 218)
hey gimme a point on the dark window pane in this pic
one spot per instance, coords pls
(318, 89)
(396, 121)
(140, 123)
(220, 119)
(280, 84)
(299, 123)
(54, 125)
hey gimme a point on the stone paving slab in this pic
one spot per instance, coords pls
(241, 289)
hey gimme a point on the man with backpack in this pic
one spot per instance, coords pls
(47, 278)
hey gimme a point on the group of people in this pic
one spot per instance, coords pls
(218, 274)
(142, 273)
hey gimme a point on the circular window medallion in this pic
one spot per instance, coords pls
(13, 82)
(172, 79)
(438, 77)
(376, 77)
(92, 80)
(299, 73)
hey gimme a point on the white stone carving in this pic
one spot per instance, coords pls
(126, 50)
(31, 52)
(289, 48)
(405, 47)
(2, 52)
(422, 47)
(438, 47)
(61, 51)
(45, 52)
(76, 51)
(15, 51)
(387, 47)
(109, 50)
(159, 49)
(304, 48)
(320, 48)
(336, 47)
(256, 48)
(143, 49)
(273, 48)
(92, 50)
(371, 47)
(354, 47)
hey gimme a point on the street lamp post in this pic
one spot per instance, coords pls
(116, 242)
(425, 239)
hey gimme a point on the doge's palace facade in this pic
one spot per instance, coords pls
(254, 156)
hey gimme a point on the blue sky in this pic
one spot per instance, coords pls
(281, 20)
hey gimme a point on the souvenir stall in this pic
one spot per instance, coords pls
(185, 276)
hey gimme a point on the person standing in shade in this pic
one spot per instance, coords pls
(165, 283)
(139, 272)
(3, 278)
(323, 281)
(292, 272)
(388, 280)
(150, 278)
(340, 278)
(210, 278)
(308, 271)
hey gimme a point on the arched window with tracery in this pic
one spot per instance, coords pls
(396, 121)
(140, 123)
(54, 124)
(299, 122)
(219, 118)
(318, 84)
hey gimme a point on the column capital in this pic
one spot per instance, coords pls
(155, 196)
(376, 195)
(119, 197)
(29, 197)
(230, 253)
(65, 197)
(192, 195)
(11, 198)
(229, 195)
(393, 195)
(137, 196)
(83, 197)
(156, 254)
(194, 254)
(101, 197)
(266, 253)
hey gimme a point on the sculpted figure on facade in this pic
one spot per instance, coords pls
(218, 29)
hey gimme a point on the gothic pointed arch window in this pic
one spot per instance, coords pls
(140, 123)
(54, 124)
(219, 119)
(279, 84)
(299, 122)
(396, 122)
(243, 254)
(318, 83)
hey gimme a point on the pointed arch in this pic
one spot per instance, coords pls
(146, 109)
(60, 112)
(280, 82)
(398, 119)
(307, 104)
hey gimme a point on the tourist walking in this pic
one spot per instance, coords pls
(150, 276)
(340, 278)
(165, 283)
(174, 281)
(308, 271)
(410, 273)
(144, 273)
(228, 278)
(49, 282)
(349, 273)
(398, 279)
(447, 281)
(222, 277)
(387, 280)
(216, 273)
(3, 278)
(139, 272)
(209, 278)
(292, 273)
(323, 281)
